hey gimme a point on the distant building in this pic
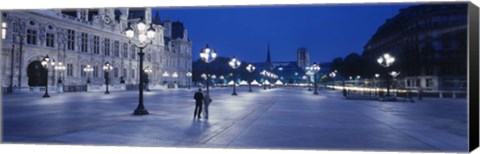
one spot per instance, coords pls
(429, 43)
(303, 58)
(80, 37)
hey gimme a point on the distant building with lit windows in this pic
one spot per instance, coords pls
(429, 43)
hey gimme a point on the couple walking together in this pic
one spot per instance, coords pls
(201, 99)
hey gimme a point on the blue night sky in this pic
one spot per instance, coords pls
(327, 31)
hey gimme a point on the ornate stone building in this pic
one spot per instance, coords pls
(80, 37)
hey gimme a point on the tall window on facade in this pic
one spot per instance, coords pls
(84, 46)
(31, 36)
(133, 73)
(106, 48)
(116, 49)
(124, 73)
(4, 30)
(149, 57)
(115, 72)
(70, 39)
(95, 71)
(83, 73)
(125, 50)
(96, 45)
(69, 69)
(133, 52)
(50, 42)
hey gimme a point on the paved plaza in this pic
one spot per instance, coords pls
(280, 118)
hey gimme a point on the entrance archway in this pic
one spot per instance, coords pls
(36, 74)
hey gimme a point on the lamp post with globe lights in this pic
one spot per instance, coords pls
(175, 76)
(166, 75)
(148, 70)
(60, 68)
(386, 60)
(375, 83)
(107, 67)
(264, 76)
(208, 55)
(250, 68)
(394, 75)
(214, 77)
(46, 63)
(332, 75)
(234, 63)
(189, 75)
(145, 36)
(315, 69)
(87, 70)
(309, 73)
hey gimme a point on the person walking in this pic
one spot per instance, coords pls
(206, 102)
(198, 103)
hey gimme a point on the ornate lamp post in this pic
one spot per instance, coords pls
(332, 75)
(375, 82)
(250, 68)
(47, 62)
(309, 73)
(60, 67)
(394, 75)
(107, 68)
(175, 76)
(145, 37)
(166, 75)
(234, 63)
(315, 68)
(87, 70)
(213, 80)
(147, 71)
(208, 55)
(264, 75)
(189, 75)
(386, 61)
(222, 78)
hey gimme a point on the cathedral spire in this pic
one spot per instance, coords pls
(268, 53)
(156, 19)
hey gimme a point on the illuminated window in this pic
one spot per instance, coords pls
(4, 30)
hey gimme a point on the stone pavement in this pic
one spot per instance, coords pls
(278, 118)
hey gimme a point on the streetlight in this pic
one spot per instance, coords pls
(315, 68)
(107, 68)
(375, 82)
(309, 73)
(394, 74)
(222, 78)
(250, 68)
(208, 55)
(213, 80)
(175, 76)
(60, 67)
(147, 71)
(145, 36)
(189, 75)
(234, 63)
(88, 69)
(386, 61)
(166, 75)
(47, 62)
(264, 74)
(332, 75)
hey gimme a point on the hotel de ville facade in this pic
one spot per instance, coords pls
(88, 38)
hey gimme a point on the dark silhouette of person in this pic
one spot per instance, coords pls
(198, 103)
